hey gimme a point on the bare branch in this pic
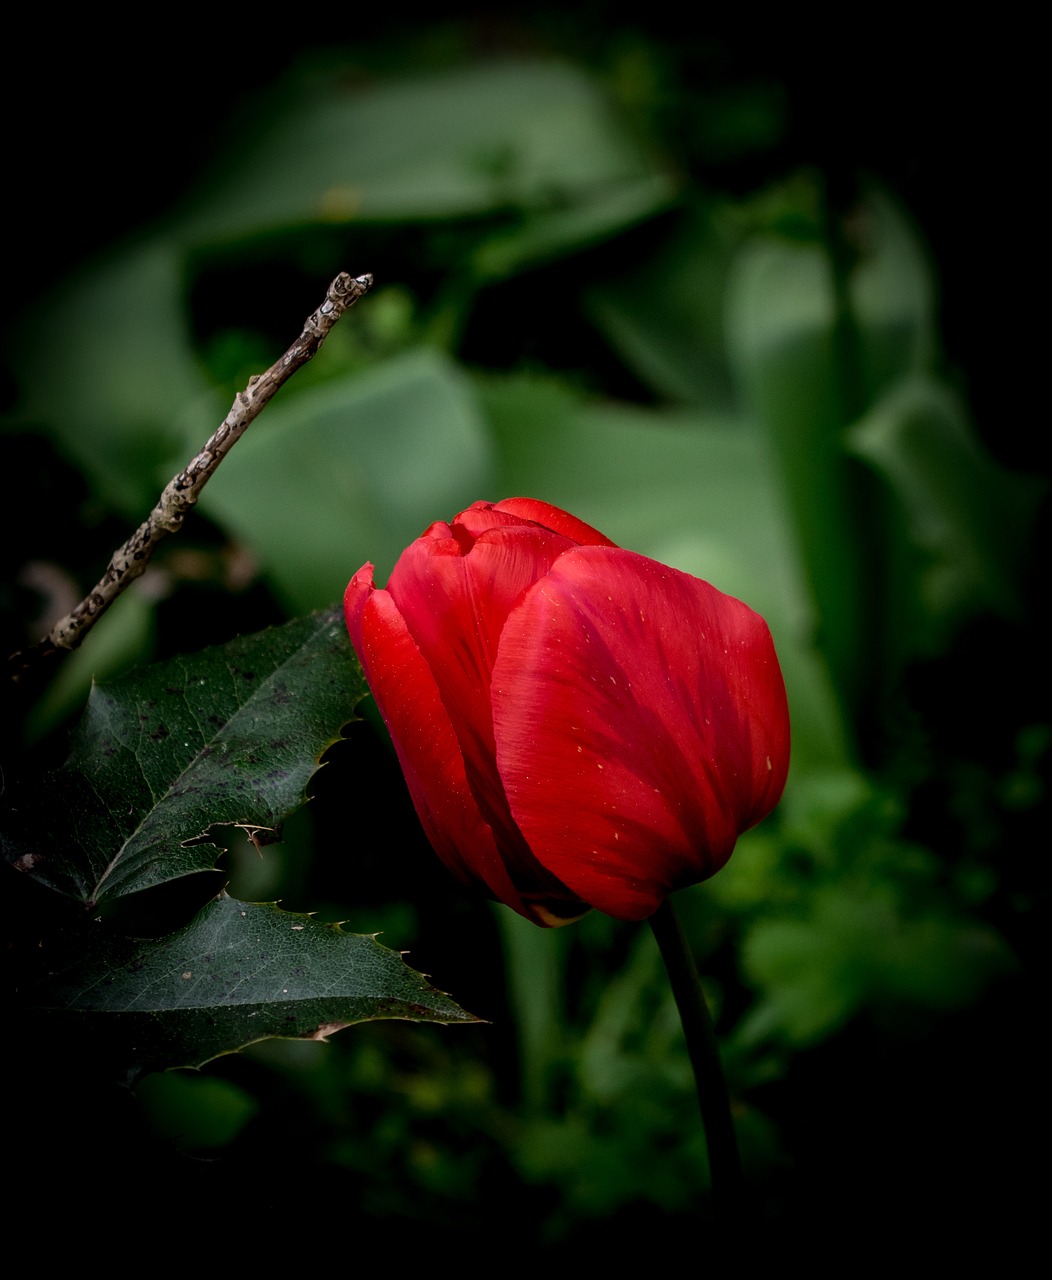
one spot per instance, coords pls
(181, 492)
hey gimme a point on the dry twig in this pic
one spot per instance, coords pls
(183, 490)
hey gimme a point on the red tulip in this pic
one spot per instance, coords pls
(579, 726)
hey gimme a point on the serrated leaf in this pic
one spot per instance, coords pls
(228, 736)
(240, 972)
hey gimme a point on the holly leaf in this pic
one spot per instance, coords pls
(238, 973)
(225, 737)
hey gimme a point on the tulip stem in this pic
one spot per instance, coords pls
(724, 1161)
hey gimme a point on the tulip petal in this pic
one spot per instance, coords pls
(454, 604)
(428, 750)
(554, 518)
(640, 724)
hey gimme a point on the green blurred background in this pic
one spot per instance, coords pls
(747, 300)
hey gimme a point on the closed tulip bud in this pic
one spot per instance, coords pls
(579, 726)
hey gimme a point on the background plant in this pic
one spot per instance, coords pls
(702, 293)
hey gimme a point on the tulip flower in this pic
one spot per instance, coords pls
(579, 726)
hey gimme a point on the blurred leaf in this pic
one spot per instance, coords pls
(238, 973)
(857, 946)
(195, 1111)
(106, 366)
(810, 979)
(961, 523)
(122, 637)
(598, 1170)
(542, 236)
(530, 135)
(624, 1091)
(826, 811)
(892, 295)
(781, 320)
(353, 471)
(229, 736)
(665, 315)
(535, 965)
(690, 490)
(813, 335)
(653, 481)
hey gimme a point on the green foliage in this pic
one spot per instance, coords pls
(238, 973)
(956, 518)
(620, 281)
(868, 928)
(227, 738)
(142, 415)
(161, 757)
(527, 137)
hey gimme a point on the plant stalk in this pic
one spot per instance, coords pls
(728, 1184)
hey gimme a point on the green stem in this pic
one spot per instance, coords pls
(724, 1161)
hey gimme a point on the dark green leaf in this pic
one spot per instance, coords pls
(238, 973)
(228, 736)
